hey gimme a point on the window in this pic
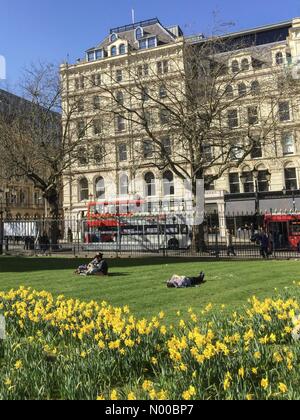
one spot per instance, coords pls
(235, 67)
(207, 153)
(145, 94)
(255, 88)
(150, 184)
(262, 182)
(284, 111)
(113, 37)
(96, 79)
(256, 151)
(143, 70)
(234, 183)
(233, 120)
(122, 49)
(290, 179)
(139, 33)
(163, 67)
(120, 98)
(167, 146)
(83, 189)
(236, 152)
(162, 92)
(124, 185)
(164, 116)
(98, 153)
(80, 105)
(148, 150)
(148, 117)
(242, 88)
(245, 64)
(119, 76)
(152, 42)
(81, 128)
(143, 44)
(91, 56)
(113, 51)
(96, 102)
(82, 156)
(249, 184)
(252, 115)
(79, 83)
(122, 152)
(279, 58)
(120, 123)
(289, 58)
(288, 144)
(100, 188)
(97, 127)
(209, 185)
(168, 183)
(229, 92)
(99, 54)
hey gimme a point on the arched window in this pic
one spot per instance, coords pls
(150, 184)
(279, 58)
(229, 91)
(245, 64)
(235, 67)
(139, 33)
(168, 181)
(122, 49)
(124, 184)
(83, 189)
(113, 37)
(120, 98)
(100, 187)
(113, 51)
(255, 88)
(242, 88)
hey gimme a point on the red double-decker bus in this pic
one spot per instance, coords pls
(285, 230)
(104, 218)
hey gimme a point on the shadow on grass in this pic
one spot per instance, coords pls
(29, 264)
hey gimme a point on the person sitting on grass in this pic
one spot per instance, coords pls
(98, 267)
(182, 282)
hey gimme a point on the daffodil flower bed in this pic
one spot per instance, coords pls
(58, 348)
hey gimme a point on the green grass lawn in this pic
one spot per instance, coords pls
(140, 283)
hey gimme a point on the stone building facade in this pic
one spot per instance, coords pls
(266, 180)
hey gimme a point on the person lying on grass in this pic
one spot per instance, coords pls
(181, 282)
(98, 267)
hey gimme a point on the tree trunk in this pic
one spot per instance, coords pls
(198, 230)
(52, 198)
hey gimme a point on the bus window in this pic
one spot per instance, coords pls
(295, 228)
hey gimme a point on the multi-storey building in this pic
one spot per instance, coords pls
(19, 198)
(268, 178)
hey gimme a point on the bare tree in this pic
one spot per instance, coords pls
(34, 144)
(216, 111)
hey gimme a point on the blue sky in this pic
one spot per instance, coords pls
(50, 30)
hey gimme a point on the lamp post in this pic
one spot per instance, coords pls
(255, 174)
(285, 191)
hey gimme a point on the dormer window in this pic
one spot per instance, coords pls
(139, 33)
(122, 49)
(91, 56)
(99, 54)
(113, 51)
(113, 38)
